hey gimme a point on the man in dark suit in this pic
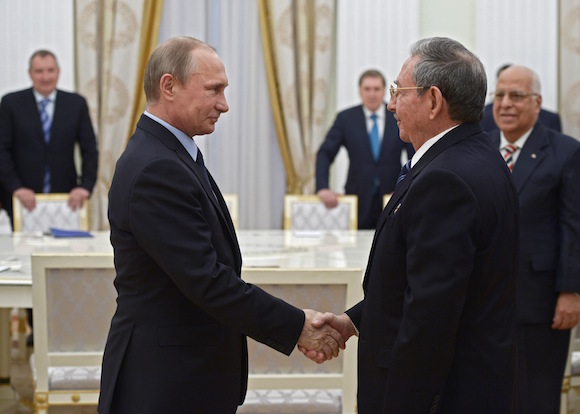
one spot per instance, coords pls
(177, 340)
(546, 173)
(370, 174)
(437, 324)
(548, 119)
(34, 160)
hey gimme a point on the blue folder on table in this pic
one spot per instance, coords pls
(69, 233)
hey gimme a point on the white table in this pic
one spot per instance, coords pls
(267, 249)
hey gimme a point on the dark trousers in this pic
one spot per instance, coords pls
(542, 355)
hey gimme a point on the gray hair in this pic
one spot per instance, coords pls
(458, 73)
(41, 53)
(173, 57)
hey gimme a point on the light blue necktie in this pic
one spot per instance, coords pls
(374, 137)
(403, 172)
(46, 124)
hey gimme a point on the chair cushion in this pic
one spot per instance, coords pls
(71, 378)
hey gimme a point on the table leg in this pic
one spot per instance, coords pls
(5, 338)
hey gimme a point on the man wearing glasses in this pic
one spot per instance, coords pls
(437, 325)
(546, 172)
(547, 118)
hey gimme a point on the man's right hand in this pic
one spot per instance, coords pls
(26, 197)
(328, 197)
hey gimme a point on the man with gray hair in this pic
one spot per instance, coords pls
(437, 324)
(545, 169)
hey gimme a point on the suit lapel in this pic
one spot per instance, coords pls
(31, 107)
(452, 137)
(530, 157)
(173, 143)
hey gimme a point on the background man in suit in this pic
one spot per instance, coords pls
(34, 160)
(437, 324)
(548, 119)
(36, 153)
(373, 166)
(546, 174)
(177, 340)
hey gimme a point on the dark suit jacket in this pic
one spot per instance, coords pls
(548, 119)
(547, 178)
(177, 338)
(24, 154)
(350, 130)
(437, 323)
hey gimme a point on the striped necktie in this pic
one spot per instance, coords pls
(403, 172)
(45, 120)
(46, 123)
(508, 155)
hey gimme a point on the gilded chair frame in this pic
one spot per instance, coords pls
(18, 209)
(291, 199)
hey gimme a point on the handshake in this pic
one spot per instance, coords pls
(324, 334)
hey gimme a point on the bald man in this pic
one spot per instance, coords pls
(545, 168)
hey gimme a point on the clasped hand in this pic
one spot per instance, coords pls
(323, 335)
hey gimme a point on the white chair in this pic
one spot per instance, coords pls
(74, 301)
(571, 380)
(232, 203)
(281, 384)
(51, 210)
(304, 213)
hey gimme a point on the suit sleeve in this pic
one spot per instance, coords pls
(327, 152)
(88, 146)
(168, 220)
(9, 180)
(440, 222)
(568, 279)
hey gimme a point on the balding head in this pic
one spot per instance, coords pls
(517, 101)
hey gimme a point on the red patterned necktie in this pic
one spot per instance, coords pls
(508, 155)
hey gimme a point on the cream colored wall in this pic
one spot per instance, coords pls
(449, 18)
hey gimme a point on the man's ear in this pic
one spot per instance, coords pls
(437, 101)
(167, 85)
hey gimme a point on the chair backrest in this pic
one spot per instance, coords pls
(51, 210)
(74, 301)
(232, 203)
(331, 290)
(308, 213)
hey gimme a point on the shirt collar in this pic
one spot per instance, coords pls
(428, 144)
(187, 141)
(40, 97)
(520, 142)
(380, 112)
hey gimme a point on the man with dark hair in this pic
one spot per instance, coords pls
(437, 325)
(370, 135)
(39, 128)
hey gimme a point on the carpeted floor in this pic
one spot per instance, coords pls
(22, 400)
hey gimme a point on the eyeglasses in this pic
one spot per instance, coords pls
(394, 90)
(515, 96)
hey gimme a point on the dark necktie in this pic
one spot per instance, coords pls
(199, 160)
(46, 124)
(403, 172)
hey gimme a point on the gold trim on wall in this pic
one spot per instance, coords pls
(152, 11)
(292, 184)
